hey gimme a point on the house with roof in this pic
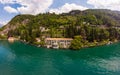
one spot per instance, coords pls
(58, 42)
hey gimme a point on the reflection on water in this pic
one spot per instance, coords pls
(6, 54)
(21, 59)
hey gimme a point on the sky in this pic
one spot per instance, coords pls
(11, 8)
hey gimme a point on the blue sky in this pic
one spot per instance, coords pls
(58, 3)
(11, 8)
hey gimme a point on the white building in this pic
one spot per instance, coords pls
(58, 42)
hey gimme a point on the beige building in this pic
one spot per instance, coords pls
(38, 39)
(58, 42)
(11, 39)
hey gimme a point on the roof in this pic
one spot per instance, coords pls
(58, 39)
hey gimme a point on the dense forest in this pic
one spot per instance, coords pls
(85, 27)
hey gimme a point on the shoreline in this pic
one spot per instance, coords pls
(92, 44)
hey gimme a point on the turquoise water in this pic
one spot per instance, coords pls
(22, 59)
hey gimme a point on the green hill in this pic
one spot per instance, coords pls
(91, 24)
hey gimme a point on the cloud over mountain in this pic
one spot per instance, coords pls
(67, 7)
(40, 6)
(105, 4)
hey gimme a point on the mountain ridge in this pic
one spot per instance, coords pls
(113, 14)
(33, 24)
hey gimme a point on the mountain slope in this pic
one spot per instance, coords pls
(101, 16)
(16, 22)
(29, 27)
(106, 16)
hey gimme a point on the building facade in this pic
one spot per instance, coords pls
(58, 42)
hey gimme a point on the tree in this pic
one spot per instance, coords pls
(77, 43)
(104, 34)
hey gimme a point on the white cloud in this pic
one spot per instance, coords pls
(2, 23)
(7, 1)
(67, 7)
(30, 6)
(105, 4)
(34, 6)
(10, 9)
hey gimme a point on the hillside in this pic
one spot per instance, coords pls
(16, 22)
(92, 16)
(91, 24)
(102, 16)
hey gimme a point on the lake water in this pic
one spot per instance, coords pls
(22, 59)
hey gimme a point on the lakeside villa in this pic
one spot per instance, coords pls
(55, 43)
(58, 42)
